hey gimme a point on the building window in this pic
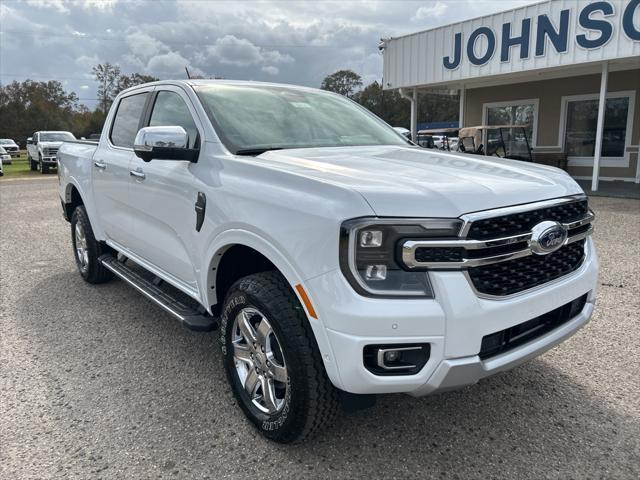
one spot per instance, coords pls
(582, 119)
(518, 112)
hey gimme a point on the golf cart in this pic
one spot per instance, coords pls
(503, 141)
(441, 139)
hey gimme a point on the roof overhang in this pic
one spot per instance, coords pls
(540, 41)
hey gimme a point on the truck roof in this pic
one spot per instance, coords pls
(196, 82)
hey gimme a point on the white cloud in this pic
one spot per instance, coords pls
(240, 52)
(144, 46)
(270, 70)
(430, 12)
(170, 65)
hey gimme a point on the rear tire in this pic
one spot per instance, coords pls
(303, 400)
(87, 250)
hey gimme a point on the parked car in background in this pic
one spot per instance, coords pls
(42, 149)
(4, 157)
(338, 259)
(405, 132)
(11, 148)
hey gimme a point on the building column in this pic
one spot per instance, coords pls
(463, 99)
(604, 78)
(414, 115)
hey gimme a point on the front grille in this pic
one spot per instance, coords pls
(443, 254)
(514, 276)
(510, 338)
(51, 150)
(522, 222)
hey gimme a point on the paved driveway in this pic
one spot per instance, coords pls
(96, 382)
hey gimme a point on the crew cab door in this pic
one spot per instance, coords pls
(32, 149)
(111, 164)
(163, 194)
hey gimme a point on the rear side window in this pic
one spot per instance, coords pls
(170, 110)
(127, 120)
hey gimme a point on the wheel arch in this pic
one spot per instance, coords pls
(72, 199)
(231, 242)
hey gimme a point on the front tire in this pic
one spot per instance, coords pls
(33, 165)
(87, 250)
(272, 360)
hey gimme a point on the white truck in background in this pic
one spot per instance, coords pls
(338, 259)
(42, 148)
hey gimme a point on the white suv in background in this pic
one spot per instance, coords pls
(4, 157)
(43, 147)
(10, 148)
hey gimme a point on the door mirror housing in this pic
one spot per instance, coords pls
(164, 143)
(30, 141)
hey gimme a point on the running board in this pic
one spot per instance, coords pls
(189, 317)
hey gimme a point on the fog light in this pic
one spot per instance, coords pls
(371, 238)
(376, 272)
(399, 359)
(392, 356)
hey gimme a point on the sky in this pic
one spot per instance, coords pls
(287, 41)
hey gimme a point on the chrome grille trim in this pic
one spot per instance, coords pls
(410, 246)
(469, 218)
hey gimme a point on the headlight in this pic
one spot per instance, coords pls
(371, 254)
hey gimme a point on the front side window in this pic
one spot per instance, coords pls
(582, 120)
(251, 118)
(515, 114)
(169, 109)
(127, 120)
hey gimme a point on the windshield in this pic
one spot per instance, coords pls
(6, 141)
(56, 137)
(251, 119)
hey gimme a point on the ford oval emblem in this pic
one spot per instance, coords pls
(547, 237)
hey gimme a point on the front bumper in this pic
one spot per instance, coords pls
(50, 160)
(454, 324)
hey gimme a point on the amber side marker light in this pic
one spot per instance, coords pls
(306, 301)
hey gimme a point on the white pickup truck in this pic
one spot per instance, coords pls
(337, 266)
(42, 149)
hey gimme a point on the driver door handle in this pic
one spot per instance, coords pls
(99, 164)
(139, 174)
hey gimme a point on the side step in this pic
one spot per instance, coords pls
(190, 318)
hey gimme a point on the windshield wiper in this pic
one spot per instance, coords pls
(256, 151)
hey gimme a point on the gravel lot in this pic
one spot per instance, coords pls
(96, 382)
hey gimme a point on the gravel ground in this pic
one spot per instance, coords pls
(96, 382)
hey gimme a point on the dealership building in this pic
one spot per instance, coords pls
(567, 69)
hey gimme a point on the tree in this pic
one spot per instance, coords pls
(127, 81)
(29, 106)
(107, 76)
(388, 105)
(344, 82)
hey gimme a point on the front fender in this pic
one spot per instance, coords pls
(232, 237)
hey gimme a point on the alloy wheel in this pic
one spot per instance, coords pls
(259, 361)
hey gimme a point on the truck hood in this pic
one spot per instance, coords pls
(415, 182)
(49, 144)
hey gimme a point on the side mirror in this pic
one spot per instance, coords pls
(164, 143)
(30, 141)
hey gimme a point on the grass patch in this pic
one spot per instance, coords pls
(19, 167)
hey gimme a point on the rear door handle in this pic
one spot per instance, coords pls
(100, 165)
(138, 174)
